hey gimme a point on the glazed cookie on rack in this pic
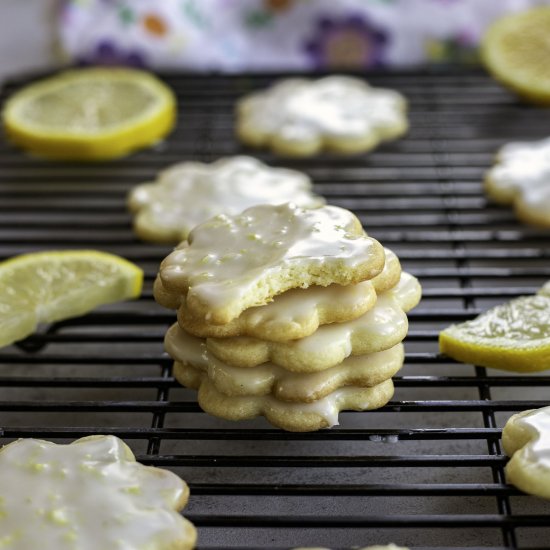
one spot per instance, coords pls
(363, 371)
(296, 313)
(232, 263)
(511, 336)
(189, 193)
(521, 177)
(381, 328)
(301, 117)
(526, 439)
(291, 416)
(90, 494)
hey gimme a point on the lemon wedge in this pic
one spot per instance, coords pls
(90, 114)
(50, 286)
(516, 49)
(513, 336)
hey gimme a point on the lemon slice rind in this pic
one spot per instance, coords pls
(471, 342)
(52, 286)
(141, 129)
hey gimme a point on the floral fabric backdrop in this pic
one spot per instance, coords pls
(256, 35)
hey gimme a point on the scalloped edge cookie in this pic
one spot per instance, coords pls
(270, 379)
(526, 439)
(379, 329)
(300, 117)
(292, 417)
(189, 193)
(294, 314)
(521, 177)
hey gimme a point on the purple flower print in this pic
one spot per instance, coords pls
(108, 53)
(349, 42)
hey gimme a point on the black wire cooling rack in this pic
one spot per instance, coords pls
(426, 471)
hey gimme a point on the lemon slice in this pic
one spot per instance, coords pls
(513, 336)
(50, 286)
(90, 114)
(516, 49)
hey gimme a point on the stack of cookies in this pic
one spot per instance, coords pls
(290, 313)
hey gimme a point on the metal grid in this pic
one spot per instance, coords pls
(427, 470)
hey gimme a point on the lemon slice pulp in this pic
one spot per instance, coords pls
(90, 114)
(516, 50)
(51, 286)
(513, 336)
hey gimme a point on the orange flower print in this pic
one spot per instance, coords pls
(278, 5)
(154, 24)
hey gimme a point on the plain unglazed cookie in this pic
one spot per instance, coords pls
(88, 495)
(526, 439)
(293, 417)
(268, 378)
(300, 117)
(521, 177)
(231, 263)
(189, 193)
(383, 327)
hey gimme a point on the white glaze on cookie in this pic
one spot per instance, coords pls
(296, 313)
(191, 192)
(322, 413)
(526, 438)
(391, 273)
(545, 290)
(331, 108)
(88, 495)
(236, 262)
(522, 175)
(380, 328)
(365, 370)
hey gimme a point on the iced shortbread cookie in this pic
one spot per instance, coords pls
(390, 275)
(296, 313)
(381, 328)
(232, 263)
(268, 378)
(301, 117)
(293, 417)
(88, 495)
(526, 438)
(191, 192)
(522, 177)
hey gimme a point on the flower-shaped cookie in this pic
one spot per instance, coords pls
(522, 177)
(526, 438)
(381, 328)
(191, 192)
(300, 117)
(231, 263)
(90, 495)
(293, 417)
